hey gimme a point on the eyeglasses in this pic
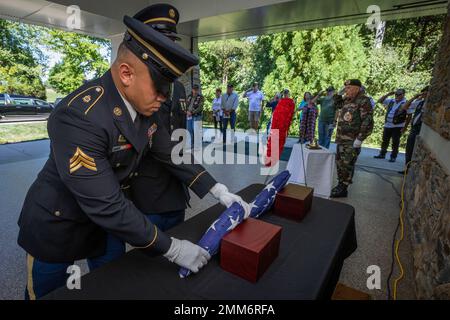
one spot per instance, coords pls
(399, 94)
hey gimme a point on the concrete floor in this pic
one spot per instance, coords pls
(376, 206)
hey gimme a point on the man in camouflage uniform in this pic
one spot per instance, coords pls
(355, 123)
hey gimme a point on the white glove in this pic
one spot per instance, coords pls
(357, 143)
(221, 193)
(188, 255)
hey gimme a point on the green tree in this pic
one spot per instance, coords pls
(81, 59)
(388, 70)
(225, 62)
(418, 37)
(21, 59)
(311, 60)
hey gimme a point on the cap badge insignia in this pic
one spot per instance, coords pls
(172, 13)
(117, 111)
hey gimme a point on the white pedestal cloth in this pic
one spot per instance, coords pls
(198, 135)
(319, 167)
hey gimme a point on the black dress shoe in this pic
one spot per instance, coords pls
(392, 160)
(340, 191)
(401, 172)
(380, 156)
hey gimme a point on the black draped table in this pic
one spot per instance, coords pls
(310, 260)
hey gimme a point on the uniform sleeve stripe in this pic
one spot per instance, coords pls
(153, 241)
(195, 179)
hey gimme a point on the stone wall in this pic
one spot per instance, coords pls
(428, 211)
(437, 110)
(427, 188)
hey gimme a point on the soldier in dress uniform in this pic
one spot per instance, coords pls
(160, 189)
(98, 135)
(355, 123)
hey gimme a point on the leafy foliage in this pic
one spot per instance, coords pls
(81, 59)
(21, 60)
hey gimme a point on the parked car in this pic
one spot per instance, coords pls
(5, 99)
(17, 105)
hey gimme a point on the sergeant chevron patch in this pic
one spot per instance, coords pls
(80, 159)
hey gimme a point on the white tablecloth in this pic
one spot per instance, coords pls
(319, 167)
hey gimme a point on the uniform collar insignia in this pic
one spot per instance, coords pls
(117, 111)
(121, 139)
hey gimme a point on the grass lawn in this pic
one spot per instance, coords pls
(10, 133)
(52, 95)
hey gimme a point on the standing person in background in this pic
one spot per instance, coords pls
(217, 111)
(230, 102)
(327, 117)
(282, 118)
(414, 108)
(308, 116)
(272, 104)
(393, 124)
(194, 111)
(255, 100)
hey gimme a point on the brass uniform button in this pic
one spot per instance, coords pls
(57, 213)
(118, 164)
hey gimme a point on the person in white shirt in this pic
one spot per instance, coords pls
(217, 110)
(394, 122)
(255, 100)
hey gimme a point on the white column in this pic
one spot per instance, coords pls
(116, 40)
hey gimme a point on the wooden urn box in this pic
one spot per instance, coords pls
(293, 202)
(250, 248)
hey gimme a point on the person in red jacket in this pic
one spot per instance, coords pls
(281, 121)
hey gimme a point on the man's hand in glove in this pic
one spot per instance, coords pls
(188, 255)
(221, 193)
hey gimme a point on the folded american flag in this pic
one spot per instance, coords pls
(235, 214)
